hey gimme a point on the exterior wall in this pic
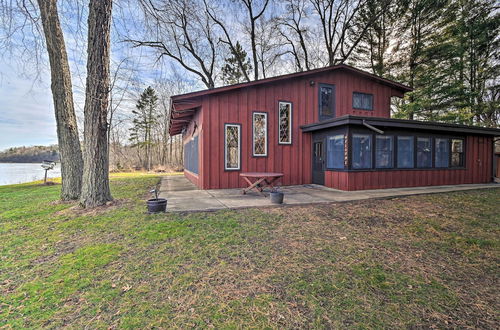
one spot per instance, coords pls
(478, 169)
(195, 128)
(293, 160)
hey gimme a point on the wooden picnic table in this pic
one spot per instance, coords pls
(260, 180)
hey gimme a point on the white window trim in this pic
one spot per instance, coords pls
(253, 134)
(225, 147)
(279, 121)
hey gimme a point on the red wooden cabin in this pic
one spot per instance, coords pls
(328, 126)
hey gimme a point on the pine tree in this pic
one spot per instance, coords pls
(231, 71)
(145, 118)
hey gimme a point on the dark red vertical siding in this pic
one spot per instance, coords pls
(478, 169)
(293, 160)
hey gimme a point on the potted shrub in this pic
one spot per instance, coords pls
(156, 205)
(276, 196)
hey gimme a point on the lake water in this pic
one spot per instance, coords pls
(11, 173)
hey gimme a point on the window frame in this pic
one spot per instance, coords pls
(351, 153)
(226, 125)
(431, 143)
(391, 138)
(363, 94)
(413, 152)
(321, 117)
(448, 144)
(290, 130)
(345, 137)
(266, 134)
(463, 158)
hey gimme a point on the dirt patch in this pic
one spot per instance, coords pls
(77, 210)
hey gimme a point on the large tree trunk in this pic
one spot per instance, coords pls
(95, 188)
(62, 95)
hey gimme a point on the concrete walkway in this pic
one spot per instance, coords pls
(183, 196)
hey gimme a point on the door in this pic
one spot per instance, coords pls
(318, 166)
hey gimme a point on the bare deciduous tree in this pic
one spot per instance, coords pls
(341, 30)
(25, 25)
(95, 188)
(178, 31)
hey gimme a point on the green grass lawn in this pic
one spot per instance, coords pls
(407, 262)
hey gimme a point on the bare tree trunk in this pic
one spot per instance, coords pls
(62, 94)
(95, 188)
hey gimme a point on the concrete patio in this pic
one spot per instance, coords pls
(183, 196)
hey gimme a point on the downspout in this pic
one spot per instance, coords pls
(379, 131)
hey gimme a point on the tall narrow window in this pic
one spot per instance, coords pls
(362, 101)
(259, 133)
(232, 141)
(326, 101)
(442, 153)
(361, 151)
(383, 152)
(424, 152)
(405, 152)
(285, 123)
(457, 153)
(335, 152)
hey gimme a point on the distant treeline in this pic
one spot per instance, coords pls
(34, 154)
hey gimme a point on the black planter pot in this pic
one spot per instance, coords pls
(276, 197)
(157, 205)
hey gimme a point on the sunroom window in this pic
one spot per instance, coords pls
(335, 152)
(361, 151)
(259, 123)
(424, 152)
(232, 146)
(442, 152)
(405, 152)
(383, 152)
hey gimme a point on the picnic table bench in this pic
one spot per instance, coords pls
(260, 180)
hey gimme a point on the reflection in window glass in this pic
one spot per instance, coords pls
(457, 153)
(232, 146)
(405, 152)
(424, 152)
(383, 154)
(361, 151)
(260, 134)
(442, 152)
(285, 123)
(335, 152)
(362, 101)
(326, 102)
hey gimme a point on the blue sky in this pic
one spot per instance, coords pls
(26, 112)
(26, 109)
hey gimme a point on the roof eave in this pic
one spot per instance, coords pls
(400, 123)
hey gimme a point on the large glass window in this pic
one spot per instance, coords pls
(424, 152)
(383, 152)
(457, 152)
(285, 123)
(335, 152)
(405, 152)
(326, 102)
(362, 101)
(442, 152)
(361, 151)
(259, 123)
(232, 145)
